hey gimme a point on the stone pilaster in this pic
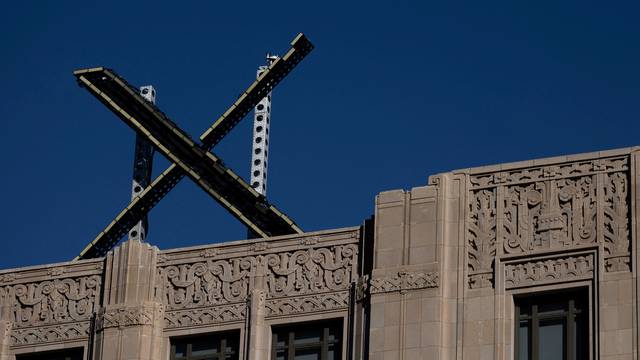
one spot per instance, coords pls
(259, 346)
(405, 321)
(129, 325)
(5, 340)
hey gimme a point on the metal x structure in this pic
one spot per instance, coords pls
(189, 157)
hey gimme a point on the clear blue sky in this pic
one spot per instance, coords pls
(392, 93)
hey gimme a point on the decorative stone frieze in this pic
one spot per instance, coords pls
(122, 316)
(549, 207)
(404, 280)
(50, 304)
(307, 274)
(539, 272)
(204, 316)
(616, 222)
(53, 301)
(481, 242)
(541, 173)
(50, 334)
(307, 304)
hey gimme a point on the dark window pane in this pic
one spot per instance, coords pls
(308, 341)
(552, 309)
(207, 347)
(523, 341)
(69, 354)
(553, 326)
(308, 354)
(551, 340)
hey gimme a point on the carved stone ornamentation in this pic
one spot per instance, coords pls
(217, 290)
(549, 271)
(311, 271)
(205, 283)
(616, 223)
(49, 334)
(54, 301)
(551, 207)
(550, 214)
(540, 173)
(56, 271)
(481, 238)
(404, 280)
(125, 316)
(204, 316)
(7, 278)
(307, 304)
(208, 253)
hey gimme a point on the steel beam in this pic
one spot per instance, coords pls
(188, 156)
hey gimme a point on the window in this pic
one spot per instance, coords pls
(216, 346)
(67, 354)
(320, 340)
(553, 326)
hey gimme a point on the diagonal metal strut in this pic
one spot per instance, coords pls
(188, 157)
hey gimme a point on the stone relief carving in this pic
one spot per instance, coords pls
(127, 316)
(482, 238)
(537, 173)
(403, 281)
(311, 270)
(46, 334)
(205, 283)
(51, 310)
(190, 291)
(209, 315)
(306, 304)
(549, 207)
(548, 271)
(616, 223)
(549, 214)
(54, 301)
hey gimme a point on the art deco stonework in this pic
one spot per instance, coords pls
(442, 271)
(549, 207)
(51, 305)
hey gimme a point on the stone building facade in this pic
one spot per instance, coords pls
(528, 260)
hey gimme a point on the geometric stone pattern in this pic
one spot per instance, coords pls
(549, 271)
(402, 281)
(546, 208)
(124, 316)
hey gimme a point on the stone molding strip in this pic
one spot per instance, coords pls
(403, 281)
(125, 316)
(549, 271)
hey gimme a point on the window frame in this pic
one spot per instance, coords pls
(575, 301)
(220, 338)
(335, 324)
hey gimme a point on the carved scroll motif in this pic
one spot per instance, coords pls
(217, 290)
(481, 238)
(549, 271)
(311, 271)
(53, 310)
(55, 301)
(205, 283)
(616, 223)
(549, 214)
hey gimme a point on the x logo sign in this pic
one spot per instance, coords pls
(189, 157)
